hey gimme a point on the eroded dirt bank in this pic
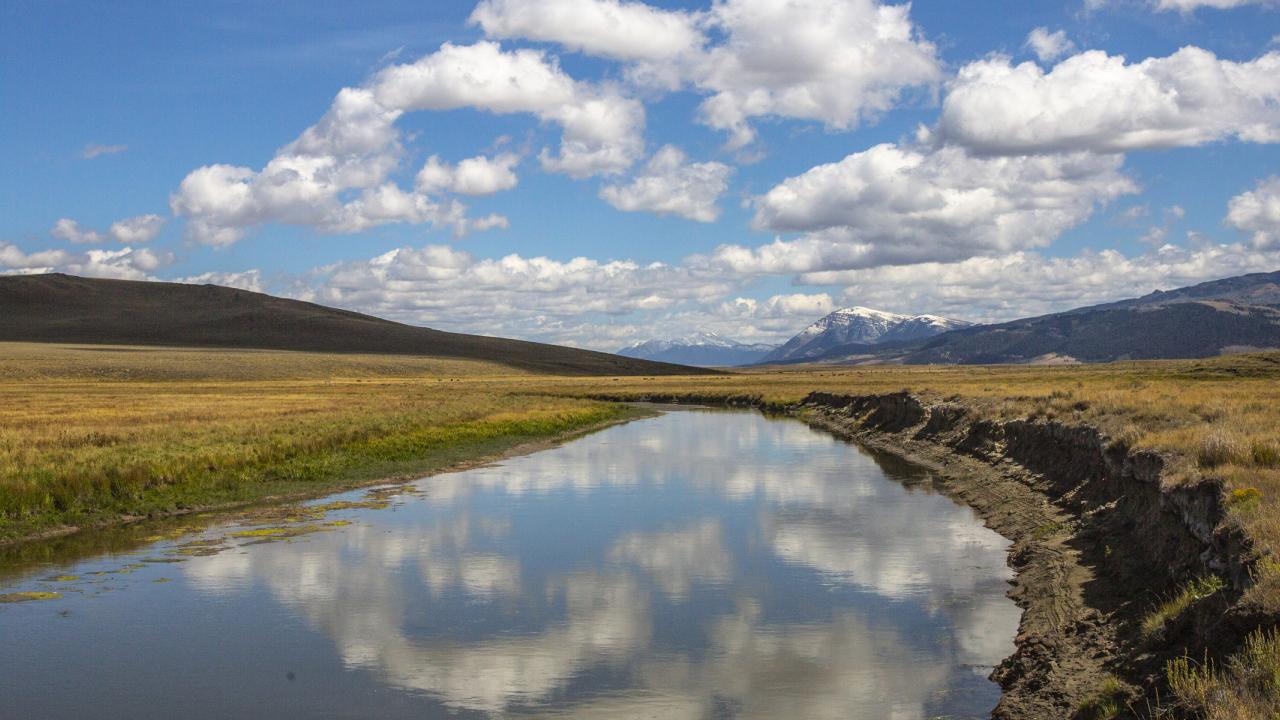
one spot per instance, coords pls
(1099, 540)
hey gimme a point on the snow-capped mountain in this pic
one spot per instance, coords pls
(860, 325)
(702, 349)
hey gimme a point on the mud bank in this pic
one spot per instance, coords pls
(1099, 540)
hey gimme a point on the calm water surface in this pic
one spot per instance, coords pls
(693, 565)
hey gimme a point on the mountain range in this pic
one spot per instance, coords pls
(68, 309)
(1223, 316)
(861, 326)
(702, 349)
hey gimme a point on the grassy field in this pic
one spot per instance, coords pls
(92, 434)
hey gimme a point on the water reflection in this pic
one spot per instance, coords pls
(693, 565)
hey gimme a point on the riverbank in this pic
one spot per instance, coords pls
(91, 438)
(1139, 589)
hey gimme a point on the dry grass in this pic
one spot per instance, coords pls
(1246, 688)
(91, 434)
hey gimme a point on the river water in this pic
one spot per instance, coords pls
(698, 564)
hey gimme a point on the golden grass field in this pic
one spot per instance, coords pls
(92, 434)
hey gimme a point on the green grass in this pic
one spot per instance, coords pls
(1106, 703)
(1198, 589)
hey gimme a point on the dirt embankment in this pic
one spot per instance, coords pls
(1099, 540)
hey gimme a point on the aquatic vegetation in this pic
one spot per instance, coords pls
(17, 597)
(63, 578)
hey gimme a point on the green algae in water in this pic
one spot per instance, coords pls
(63, 578)
(29, 597)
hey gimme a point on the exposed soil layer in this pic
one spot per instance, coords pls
(1099, 540)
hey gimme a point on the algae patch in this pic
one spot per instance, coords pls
(18, 597)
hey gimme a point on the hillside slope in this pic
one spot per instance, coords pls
(67, 309)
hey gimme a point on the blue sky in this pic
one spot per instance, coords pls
(933, 200)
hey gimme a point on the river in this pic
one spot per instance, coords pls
(697, 564)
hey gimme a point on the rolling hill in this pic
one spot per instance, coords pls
(1234, 314)
(67, 309)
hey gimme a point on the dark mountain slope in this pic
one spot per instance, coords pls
(67, 309)
(1197, 321)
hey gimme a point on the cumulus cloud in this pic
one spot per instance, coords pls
(247, 280)
(1049, 45)
(70, 231)
(838, 62)
(1257, 212)
(1101, 103)
(995, 288)
(335, 176)
(474, 176)
(894, 205)
(606, 28)
(670, 185)
(137, 229)
(122, 264)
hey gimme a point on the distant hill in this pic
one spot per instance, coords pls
(701, 349)
(1235, 314)
(861, 326)
(67, 309)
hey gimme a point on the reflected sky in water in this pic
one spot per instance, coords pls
(693, 565)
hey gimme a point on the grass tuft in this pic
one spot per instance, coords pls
(1168, 611)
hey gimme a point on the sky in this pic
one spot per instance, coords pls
(599, 172)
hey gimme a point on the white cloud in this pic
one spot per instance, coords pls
(137, 229)
(1101, 103)
(1023, 284)
(70, 231)
(129, 231)
(125, 263)
(1187, 6)
(670, 185)
(248, 280)
(1257, 212)
(335, 176)
(92, 151)
(602, 129)
(474, 176)
(838, 62)
(892, 205)
(1049, 45)
(14, 259)
(607, 28)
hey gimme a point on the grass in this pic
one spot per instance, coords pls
(1246, 687)
(88, 436)
(1194, 591)
(1106, 703)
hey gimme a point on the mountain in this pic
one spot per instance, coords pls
(1223, 316)
(67, 309)
(862, 326)
(700, 349)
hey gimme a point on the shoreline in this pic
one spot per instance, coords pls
(487, 455)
